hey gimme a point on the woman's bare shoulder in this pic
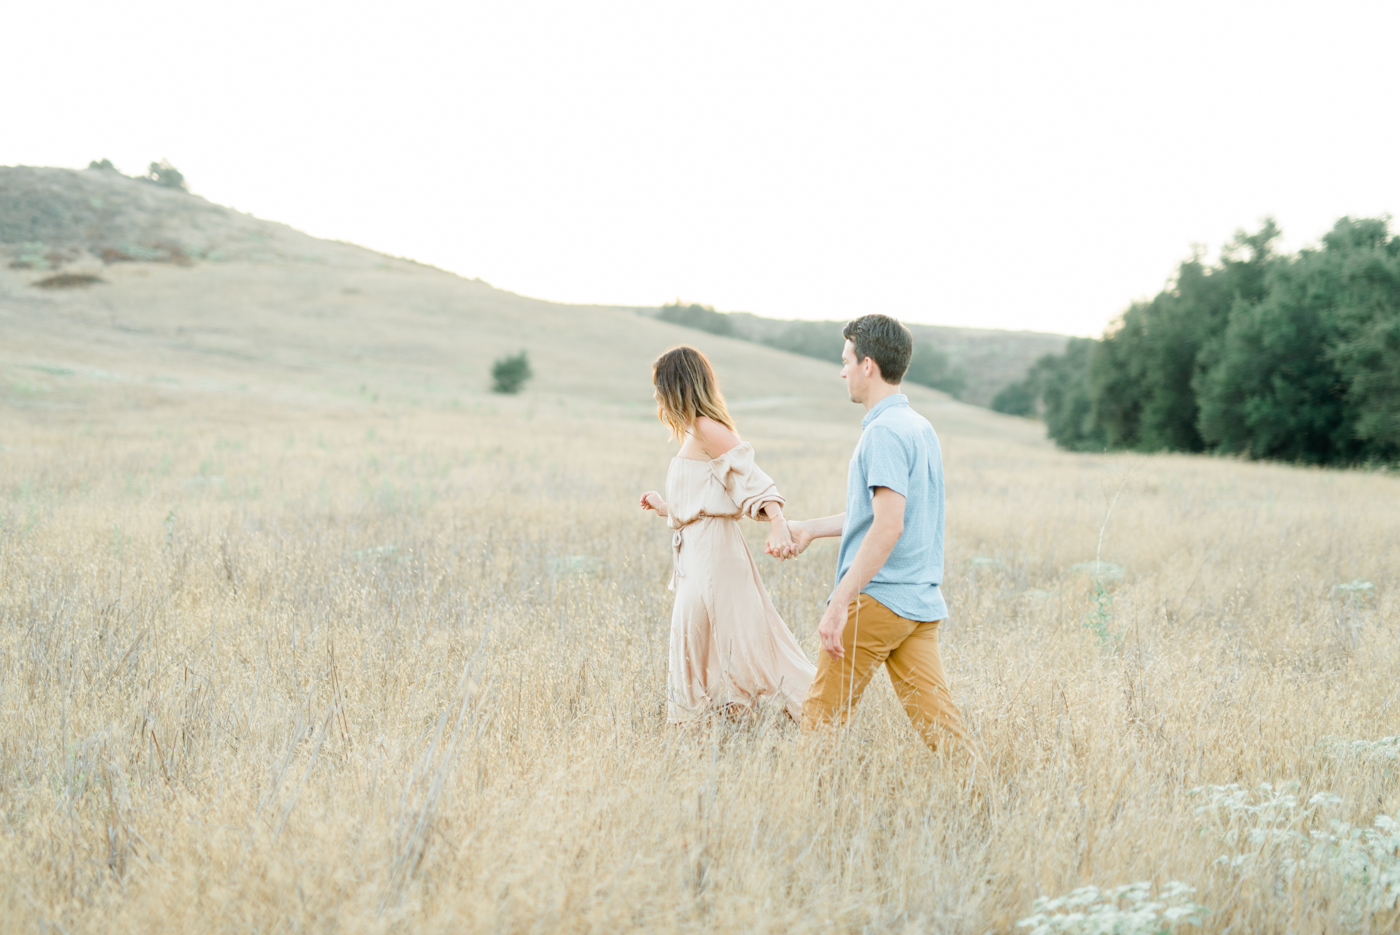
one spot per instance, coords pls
(715, 437)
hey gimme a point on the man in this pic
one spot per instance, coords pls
(887, 605)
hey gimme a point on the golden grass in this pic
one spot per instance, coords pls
(359, 673)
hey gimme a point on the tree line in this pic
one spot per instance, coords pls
(930, 365)
(1293, 357)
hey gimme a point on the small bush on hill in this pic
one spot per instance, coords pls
(509, 374)
(103, 164)
(163, 173)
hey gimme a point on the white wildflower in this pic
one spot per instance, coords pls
(1363, 862)
(1385, 749)
(1355, 587)
(1123, 910)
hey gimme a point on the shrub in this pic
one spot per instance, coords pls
(1015, 399)
(508, 374)
(104, 164)
(163, 173)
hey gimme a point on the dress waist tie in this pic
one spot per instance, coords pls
(677, 540)
(676, 572)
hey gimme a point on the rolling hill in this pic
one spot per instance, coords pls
(170, 296)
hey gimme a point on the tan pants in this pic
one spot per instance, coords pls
(875, 634)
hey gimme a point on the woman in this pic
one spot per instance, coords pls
(729, 647)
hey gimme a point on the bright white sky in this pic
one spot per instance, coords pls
(1014, 165)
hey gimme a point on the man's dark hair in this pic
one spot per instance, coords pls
(885, 341)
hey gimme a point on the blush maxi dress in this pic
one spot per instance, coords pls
(729, 646)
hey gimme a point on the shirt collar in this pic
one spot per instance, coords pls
(889, 402)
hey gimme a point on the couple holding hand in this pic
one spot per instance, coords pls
(730, 649)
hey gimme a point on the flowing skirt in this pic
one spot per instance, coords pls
(729, 646)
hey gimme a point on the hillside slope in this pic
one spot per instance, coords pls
(219, 301)
(50, 218)
(979, 362)
(973, 364)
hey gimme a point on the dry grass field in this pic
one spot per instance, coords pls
(309, 633)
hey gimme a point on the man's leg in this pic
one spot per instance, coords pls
(916, 671)
(872, 630)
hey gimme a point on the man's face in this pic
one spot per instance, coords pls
(855, 373)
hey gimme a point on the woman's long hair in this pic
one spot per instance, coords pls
(686, 389)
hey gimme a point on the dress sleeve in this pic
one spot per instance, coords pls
(744, 481)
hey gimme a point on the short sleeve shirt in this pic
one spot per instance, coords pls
(898, 449)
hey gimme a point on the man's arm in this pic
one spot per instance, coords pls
(804, 531)
(823, 528)
(874, 550)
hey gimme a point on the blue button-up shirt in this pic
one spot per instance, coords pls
(899, 450)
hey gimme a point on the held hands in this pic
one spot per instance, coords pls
(789, 542)
(651, 500)
(779, 542)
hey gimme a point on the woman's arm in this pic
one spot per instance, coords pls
(651, 500)
(779, 540)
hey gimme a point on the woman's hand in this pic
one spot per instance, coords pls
(779, 543)
(651, 500)
(792, 542)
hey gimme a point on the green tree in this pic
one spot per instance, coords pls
(1116, 379)
(509, 374)
(1145, 374)
(1066, 395)
(1367, 352)
(1294, 358)
(1308, 373)
(1016, 399)
(1272, 394)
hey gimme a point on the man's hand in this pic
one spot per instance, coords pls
(885, 530)
(833, 625)
(802, 537)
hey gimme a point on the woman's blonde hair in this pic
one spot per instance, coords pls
(686, 389)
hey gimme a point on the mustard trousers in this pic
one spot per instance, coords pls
(908, 649)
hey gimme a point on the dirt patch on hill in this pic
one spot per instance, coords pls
(68, 281)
